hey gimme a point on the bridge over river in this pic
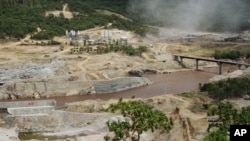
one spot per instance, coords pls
(180, 58)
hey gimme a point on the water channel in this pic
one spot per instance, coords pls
(171, 83)
(177, 82)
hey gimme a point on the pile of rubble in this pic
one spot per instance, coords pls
(29, 71)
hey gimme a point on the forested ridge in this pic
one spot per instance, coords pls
(20, 17)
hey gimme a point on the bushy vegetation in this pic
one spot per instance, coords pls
(232, 87)
(227, 115)
(231, 51)
(108, 48)
(138, 118)
(228, 54)
(133, 51)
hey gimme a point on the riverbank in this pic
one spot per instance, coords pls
(171, 83)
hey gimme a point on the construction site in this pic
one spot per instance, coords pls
(95, 42)
(42, 86)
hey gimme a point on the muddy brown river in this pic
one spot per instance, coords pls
(177, 82)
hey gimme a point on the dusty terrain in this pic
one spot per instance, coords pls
(190, 124)
(24, 61)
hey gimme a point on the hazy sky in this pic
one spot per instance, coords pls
(191, 14)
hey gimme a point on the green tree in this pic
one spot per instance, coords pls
(217, 135)
(227, 115)
(138, 118)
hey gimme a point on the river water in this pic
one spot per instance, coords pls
(171, 83)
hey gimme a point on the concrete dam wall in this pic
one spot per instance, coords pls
(36, 107)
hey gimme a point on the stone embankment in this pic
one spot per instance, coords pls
(68, 86)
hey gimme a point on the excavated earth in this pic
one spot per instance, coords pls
(29, 71)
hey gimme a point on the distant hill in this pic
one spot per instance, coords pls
(21, 17)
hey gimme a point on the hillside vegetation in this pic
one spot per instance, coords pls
(20, 17)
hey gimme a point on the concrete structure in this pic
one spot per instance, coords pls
(32, 107)
(119, 84)
(106, 34)
(179, 58)
(73, 35)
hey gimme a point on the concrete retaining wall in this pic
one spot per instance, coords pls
(18, 104)
(39, 110)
